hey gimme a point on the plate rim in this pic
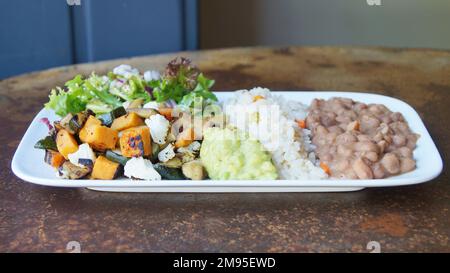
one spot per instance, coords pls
(244, 184)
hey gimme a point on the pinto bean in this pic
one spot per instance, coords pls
(399, 140)
(328, 119)
(344, 151)
(341, 165)
(321, 130)
(343, 119)
(326, 157)
(411, 144)
(361, 169)
(396, 116)
(372, 156)
(364, 138)
(391, 163)
(369, 123)
(388, 138)
(378, 137)
(375, 108)
(386, 119)
(345, 138)
(335, 129)
(404, 152)
(382, 145)
(365, 146)
(331, 137)
(360, 106)
(384, 128)
(378, 171)
(407, 164)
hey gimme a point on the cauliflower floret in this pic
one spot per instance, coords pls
(151, 75)
(151, 105)
(140, 168)
(126, 71)
(84, 152)
(167, 153)
(159, 126)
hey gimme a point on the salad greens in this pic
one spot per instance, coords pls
(181, 82)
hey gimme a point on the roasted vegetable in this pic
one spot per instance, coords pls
(169, 173)
(116, 157)
(77, 122)
(71, 171)
(97, 136)
(137, 103)
(86, 162)
(173, 163)
(185, 138)
(186, 156)
(194, 170)
(155, 152)
(64, 123)
(105, 169)
(102, 138)
(53, 158)
(108, 118)
(47, 143)
(166, 112)
(128, 121)
(66, 143)
(143, 112)
(90, 122)
(136, 142)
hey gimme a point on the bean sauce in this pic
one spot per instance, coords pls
(361, 141)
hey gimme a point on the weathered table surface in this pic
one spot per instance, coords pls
(413, 218)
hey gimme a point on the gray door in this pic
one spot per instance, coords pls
(38, 34)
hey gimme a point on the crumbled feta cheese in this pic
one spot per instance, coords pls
(105, 79)
(126, 71)
(151, 75)
(83, 152)
(167, 153)
(159, 126)
(151, 105)
(116, 84)
(140, 168)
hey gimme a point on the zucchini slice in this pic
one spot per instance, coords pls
(169, 173)
(77, 122)
(108, 118)
(116, 157)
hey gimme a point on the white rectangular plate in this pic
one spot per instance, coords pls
(28, 162)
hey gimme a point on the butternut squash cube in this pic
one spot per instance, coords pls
(100, 138)
(105, 169)
(66, 143)
(89, 122)
(136, 142)
(128, 121)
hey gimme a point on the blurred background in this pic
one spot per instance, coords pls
(39, 34)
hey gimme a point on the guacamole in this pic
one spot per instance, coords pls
(228, 154)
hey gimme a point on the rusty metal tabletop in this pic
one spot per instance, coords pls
(412, 218)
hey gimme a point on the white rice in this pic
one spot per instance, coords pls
(272, 120)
